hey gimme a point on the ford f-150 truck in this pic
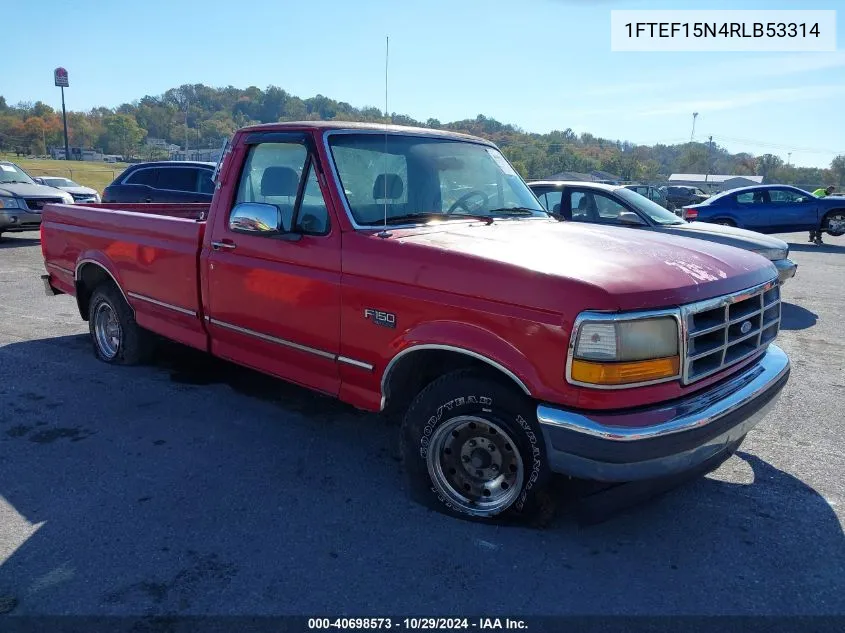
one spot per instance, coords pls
(412, 271)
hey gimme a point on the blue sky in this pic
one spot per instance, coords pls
(539, 64)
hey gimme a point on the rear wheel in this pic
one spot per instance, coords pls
(472, 449)
(724, 222)
(116, 337)
(835, 223)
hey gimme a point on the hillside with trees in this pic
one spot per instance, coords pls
(207, 115)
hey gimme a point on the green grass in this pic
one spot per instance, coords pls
(87, 173)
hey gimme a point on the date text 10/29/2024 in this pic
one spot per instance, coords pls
(426, 624)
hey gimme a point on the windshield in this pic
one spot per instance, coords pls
(13, 173)
(59, 182)
(653, 210)
(422, 178)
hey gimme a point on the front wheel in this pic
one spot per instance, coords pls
(836, 224)
(472, 449)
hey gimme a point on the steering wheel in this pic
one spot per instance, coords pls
(462, 201)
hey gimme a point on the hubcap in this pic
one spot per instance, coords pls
(836, 223)
(475, 465)
(107, 331)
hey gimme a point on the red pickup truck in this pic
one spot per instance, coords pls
(412, 271)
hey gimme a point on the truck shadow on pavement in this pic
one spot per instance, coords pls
(158, 491)
(17, 242)
(795, 317)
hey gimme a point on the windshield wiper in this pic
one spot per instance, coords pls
(431, 215)
(14, 182)
(514, 211)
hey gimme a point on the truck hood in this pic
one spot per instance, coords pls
(616, 267)
(26, 190)
(730, 235)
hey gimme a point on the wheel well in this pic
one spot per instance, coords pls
(88, 278)
(829, 213)
(417, 369)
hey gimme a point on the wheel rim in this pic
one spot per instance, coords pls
(107, 330)
(836, 223)
(475, 465)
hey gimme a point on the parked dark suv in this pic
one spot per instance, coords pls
(678, 196)
(165, 181)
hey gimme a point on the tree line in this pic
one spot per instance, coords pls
(204, 116)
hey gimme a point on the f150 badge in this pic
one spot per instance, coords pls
(384, 319)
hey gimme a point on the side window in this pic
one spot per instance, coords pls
(272, 174)
(552, 201)
(579, 204)
(313, 217)
(177, 179)
(204, 182)
(142, 177)
(607, 208)
(785, 196)
(750, 197)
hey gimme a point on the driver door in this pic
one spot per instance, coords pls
(273, 300)
(791, 210)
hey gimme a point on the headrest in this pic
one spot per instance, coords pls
(279, 181)
(392, 183)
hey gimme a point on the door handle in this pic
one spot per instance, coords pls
(225, 244)
(148, 199)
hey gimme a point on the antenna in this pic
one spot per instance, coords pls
(383, 233)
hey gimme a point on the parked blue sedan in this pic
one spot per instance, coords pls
(772, 209)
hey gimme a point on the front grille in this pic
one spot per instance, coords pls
(36, 204)
(726, 330)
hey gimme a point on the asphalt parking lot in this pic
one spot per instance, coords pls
(194, 487)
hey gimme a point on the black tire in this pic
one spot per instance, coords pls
(839, 215)
(724, 222)
(467, 398)
(134, 344)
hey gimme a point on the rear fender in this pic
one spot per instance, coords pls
(102, 263)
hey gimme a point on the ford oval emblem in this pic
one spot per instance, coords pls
(745, 328)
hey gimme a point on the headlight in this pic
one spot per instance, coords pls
(10, 203)
(68, 198)
(618, 351)
(773, 254)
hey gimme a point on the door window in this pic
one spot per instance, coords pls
(785, 196)
(750, 197)
(592, 206)
(204, 182)
(272, 175)
(177, 179)
(142, 177)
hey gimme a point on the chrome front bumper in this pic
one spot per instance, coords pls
(667, 439)
(786, 269)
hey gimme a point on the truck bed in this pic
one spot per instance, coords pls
(150, 250)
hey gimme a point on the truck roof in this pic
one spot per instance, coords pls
(355, 125)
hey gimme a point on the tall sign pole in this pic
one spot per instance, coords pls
(61, 80)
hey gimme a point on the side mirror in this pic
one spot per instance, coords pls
(40, 181)
(629, 218)
(257, 218)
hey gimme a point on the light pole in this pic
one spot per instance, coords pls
(692, 134)
(60, 78)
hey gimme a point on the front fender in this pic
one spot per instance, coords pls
(468, 339)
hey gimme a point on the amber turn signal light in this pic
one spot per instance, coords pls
(624, 373)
